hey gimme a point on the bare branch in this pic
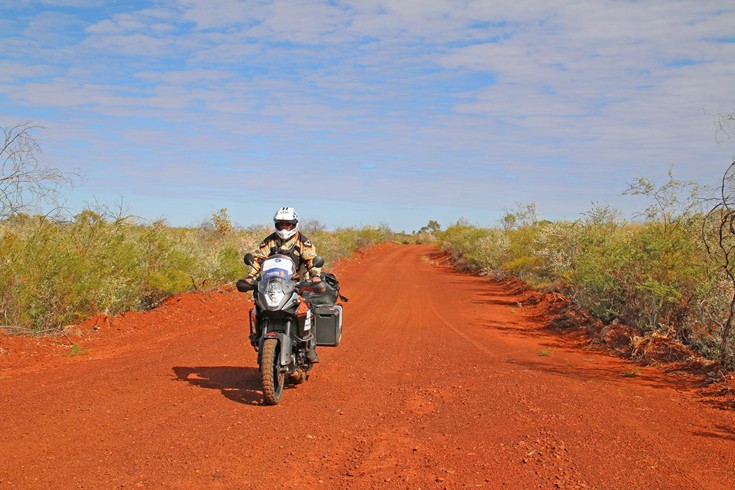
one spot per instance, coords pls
(719, 224)
(726, 124)
(25, 181)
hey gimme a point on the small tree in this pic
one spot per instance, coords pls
(24, 180)
(673, 201)
(221, 223)
(312, 227)
(726, 123)
(432, 227)
(721, 247)
(524, 214)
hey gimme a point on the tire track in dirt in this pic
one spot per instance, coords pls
(443, 380)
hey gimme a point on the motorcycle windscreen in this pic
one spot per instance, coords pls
(275, 292)
(278, 267)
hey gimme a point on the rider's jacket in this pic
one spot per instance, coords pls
(298, 247)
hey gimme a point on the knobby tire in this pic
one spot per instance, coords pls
(273, 380)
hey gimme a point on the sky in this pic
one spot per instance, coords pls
(370, 112)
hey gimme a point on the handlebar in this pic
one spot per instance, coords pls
(243, 286)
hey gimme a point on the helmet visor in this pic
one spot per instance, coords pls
(285, 225)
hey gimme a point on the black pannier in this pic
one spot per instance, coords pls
(330, 294)
(328, 325)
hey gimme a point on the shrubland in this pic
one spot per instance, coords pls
(655, 272)
(58, 272)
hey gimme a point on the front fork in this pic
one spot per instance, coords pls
(258, 337)
(285, 349)
(284, 340)
(254, 334)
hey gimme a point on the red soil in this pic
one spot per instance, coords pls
(442, 380)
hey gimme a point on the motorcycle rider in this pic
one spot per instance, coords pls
(287, 240)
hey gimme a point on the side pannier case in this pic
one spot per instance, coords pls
(328, 322)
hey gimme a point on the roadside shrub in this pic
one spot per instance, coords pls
(493, 252)
(462, 242)
(559, 246)
(655, 275)
(522, 254)
(56, 273)
(343, 242)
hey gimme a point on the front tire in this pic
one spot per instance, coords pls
(272, 377)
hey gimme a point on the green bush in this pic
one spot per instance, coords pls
(58, 273)
(343, 242)
(654, 274)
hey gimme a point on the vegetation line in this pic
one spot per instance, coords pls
(55, 273)
(667, 273)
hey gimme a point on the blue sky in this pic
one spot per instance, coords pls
(370, 112)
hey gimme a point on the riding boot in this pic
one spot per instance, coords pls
(311, 352)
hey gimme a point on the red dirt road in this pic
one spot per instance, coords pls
(443, 380)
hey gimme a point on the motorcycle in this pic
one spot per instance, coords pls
(284, 326)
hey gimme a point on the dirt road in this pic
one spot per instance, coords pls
(443, 380)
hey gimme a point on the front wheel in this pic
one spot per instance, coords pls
(271, 376)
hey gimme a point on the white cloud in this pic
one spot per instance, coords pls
(15, 71)
(186, 77)
(61, 3)
(221, 14)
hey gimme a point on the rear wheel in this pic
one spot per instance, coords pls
(271, 376)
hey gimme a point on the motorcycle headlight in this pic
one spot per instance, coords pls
(274, 294)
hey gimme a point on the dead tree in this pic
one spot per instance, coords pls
(25, 180)
(721, 247)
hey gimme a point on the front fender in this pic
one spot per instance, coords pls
(285, 343)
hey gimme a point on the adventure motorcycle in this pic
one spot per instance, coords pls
(284, 326)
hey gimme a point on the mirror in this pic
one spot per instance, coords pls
(317, 261)
(249, 259)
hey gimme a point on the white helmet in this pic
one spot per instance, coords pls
(284, 217)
